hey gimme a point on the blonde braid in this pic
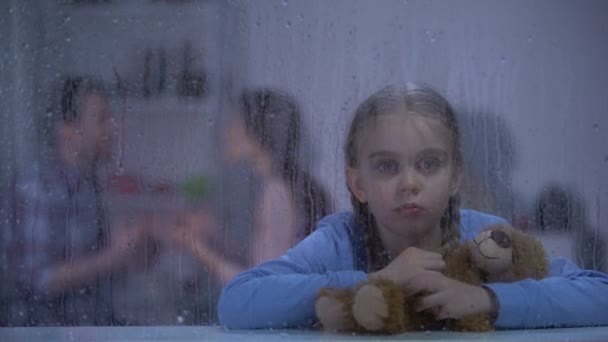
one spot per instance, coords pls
(375, 254)
(450, 225)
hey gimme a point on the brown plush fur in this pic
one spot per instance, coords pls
(528, 261)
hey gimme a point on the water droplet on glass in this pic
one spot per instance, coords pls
(284, 2)
(503, 60)
(68, 40)
(432, 37)
(288, 24)
(596, 127)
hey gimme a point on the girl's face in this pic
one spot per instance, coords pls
(406, 174)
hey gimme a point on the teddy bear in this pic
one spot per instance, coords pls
(499, 253)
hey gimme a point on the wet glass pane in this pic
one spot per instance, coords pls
(151, 150)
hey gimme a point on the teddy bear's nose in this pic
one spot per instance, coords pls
(501, 238)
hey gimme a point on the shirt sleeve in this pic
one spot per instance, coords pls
(472, 222)
(568, 297)
(281, 293)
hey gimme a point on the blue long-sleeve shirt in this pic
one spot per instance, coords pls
(281, 293)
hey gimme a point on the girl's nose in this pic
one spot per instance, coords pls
(410, 182)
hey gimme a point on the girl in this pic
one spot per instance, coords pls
(404, 169)
(264, 134)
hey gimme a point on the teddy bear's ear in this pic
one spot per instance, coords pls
(529, 257)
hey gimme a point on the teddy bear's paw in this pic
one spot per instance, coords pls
(370, 308)
(331, 314)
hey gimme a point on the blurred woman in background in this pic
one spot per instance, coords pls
(265, 134)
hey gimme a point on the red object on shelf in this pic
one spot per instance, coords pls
(131, 184)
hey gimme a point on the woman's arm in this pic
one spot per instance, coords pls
(275, 223)
(281, 293)
(193, 231)
(569, 297)
(273, 233)
(218, 265)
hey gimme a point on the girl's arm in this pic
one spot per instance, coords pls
(569, 297)
(281, 293)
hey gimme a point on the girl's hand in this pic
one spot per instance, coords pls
(450, 298)
(410, 264)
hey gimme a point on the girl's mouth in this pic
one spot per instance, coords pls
(410, 210)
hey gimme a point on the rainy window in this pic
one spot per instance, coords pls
(153, 150)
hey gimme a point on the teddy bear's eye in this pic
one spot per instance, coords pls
(502, 239)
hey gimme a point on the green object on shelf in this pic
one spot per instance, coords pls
(196, 188)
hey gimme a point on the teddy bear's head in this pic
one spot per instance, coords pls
(506, 254)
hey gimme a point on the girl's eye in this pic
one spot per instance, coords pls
(387, 166)
(429, 164)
